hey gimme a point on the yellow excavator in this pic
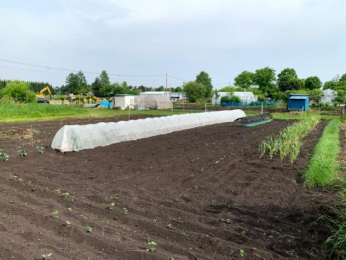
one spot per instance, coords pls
(40, 97)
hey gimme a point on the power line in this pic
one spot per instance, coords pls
(73, 70)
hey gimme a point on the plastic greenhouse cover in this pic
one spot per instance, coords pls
(78, 137)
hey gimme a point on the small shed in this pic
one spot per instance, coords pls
(123, 102)
(298, 102)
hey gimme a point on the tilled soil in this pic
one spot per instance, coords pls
(198, 194)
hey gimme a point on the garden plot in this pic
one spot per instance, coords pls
(196, 194)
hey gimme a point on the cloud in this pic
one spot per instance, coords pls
(181, 37)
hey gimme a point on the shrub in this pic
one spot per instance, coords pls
(225, 99)
(195, 91)
(19, 91)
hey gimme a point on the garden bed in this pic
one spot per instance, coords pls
(198, 194)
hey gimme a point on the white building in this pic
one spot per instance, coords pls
(157, 93)
(245, 97)
(123, 102)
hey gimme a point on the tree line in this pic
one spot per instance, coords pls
(76, 83)
(33, 86)
(266, 85)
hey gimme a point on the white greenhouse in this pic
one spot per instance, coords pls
(79, 137)
(144, 102)
(245, 97)
(328, 96)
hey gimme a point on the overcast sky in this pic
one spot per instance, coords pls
(148, 38)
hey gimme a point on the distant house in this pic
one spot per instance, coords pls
(328, 96)
(245, 97)
(177, 96)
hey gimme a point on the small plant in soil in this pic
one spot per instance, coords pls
(67, 224)
(40, 149)
(56, 213)
(58, 191)
(111, 205)
(65, 194)
(69, 209)
(241, 252)
(46, 256)
(152, 245)
(22, 151)
(14, 177)
(169, 225)
(125, 211)
(89, 229)
(4, 156)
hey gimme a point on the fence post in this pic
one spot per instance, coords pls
(262, 108)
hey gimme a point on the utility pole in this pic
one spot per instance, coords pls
(166, 83)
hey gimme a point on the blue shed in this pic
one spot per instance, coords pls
(298, 102)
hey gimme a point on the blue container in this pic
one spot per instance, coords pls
(298, 102)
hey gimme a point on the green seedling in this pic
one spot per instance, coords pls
(111, 205)
(56, 213)
(69, 209)
(66, 194)
(169, 225)
(67, 223)
(58, 191)
(47, 256)
(125, 211)
(4, 156)
(14, 177)
(40, 149)
(152, 245)
(241, 252)
(22, 151)
(25, 204)
(89, 229)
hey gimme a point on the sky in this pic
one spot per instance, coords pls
(139, 41)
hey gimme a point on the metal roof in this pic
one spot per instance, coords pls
(299, 97)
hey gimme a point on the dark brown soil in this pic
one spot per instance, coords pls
(199, 194)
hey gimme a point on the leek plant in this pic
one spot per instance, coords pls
(289, 141)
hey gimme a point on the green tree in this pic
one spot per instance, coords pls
(288, 80)
(265, 79)
(316, 95)
(96, 86)
(204, 79)
(342, 79)
(19, 91)
(106, 88)
(161, 88)
(195, 91)
(178, 89)
(313, 83)
(341, 97)
(244, 79)
(76, 83)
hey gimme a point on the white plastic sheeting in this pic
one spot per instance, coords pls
(78, 137)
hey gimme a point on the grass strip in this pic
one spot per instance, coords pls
(323, 166)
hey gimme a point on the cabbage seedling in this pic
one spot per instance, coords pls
(22, 151)
(89, 229)
(125, 211)
(152, 245)
(47, 255)
(4, 156)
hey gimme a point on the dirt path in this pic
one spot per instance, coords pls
(199, 194)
